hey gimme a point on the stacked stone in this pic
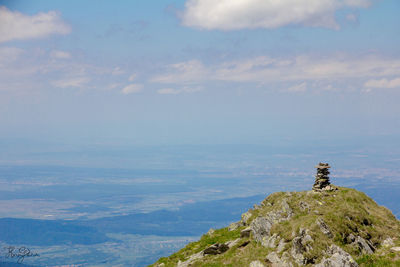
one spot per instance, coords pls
(322, 177)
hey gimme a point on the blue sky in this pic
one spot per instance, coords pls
(199, 71)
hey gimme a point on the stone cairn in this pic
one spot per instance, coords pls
(322, 178)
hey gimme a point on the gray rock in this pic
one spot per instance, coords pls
(245, 232)
(232, 242)
(275, 261)
(211, 231)
(286, 209)
(281, 245)
(234, 226)
(191, 259)
(364, 246)
(245, 217)
(260, 227)
(388, 242)
(273, 257)
(256, 264)
(338, 258)
(324, 228)
(271, 241)
(304, 206)
(300, 245)
(215, 249)
(395, 249)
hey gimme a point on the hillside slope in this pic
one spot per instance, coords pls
(343, 227)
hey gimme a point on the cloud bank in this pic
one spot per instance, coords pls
(296, 74)
(383, 83)
(17, 26)
(269, 69)
(269, 14)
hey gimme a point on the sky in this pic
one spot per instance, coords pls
(199, 71)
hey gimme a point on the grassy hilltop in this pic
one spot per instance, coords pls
(343, 227)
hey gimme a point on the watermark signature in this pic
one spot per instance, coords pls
(19, 253)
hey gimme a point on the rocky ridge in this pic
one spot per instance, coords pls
(335, 227)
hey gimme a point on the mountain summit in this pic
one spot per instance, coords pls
(327, 226)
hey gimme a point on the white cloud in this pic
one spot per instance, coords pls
(132, 77)
(71, 82)
(132, 89)
(270, 14)
(60, 54)
(17, 26)
(383, 83)
(183, 72)
(302, 87)
(172, 91)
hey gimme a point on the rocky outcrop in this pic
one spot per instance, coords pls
(191, 259)
(388, 242)
(304, 206)
(245, 218)
(261, 226)
(275, 261)
(215, 249)
(365, 246)
(324, 228)
(245, 232)
(300, 245)
(337, 258)
(232, 243)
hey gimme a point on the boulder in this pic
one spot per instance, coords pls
(300, 245)
(324, 228)
(271, 241)
(338, 258)
(388, 242)
(245, 232)
(191, 259)
(281, 245)
(275, 261)
(211, 231)
(232, 242)
(256, 264)
(216, 249)
(364, 246)
(395, 249)
(245, 218)
(260, 227)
